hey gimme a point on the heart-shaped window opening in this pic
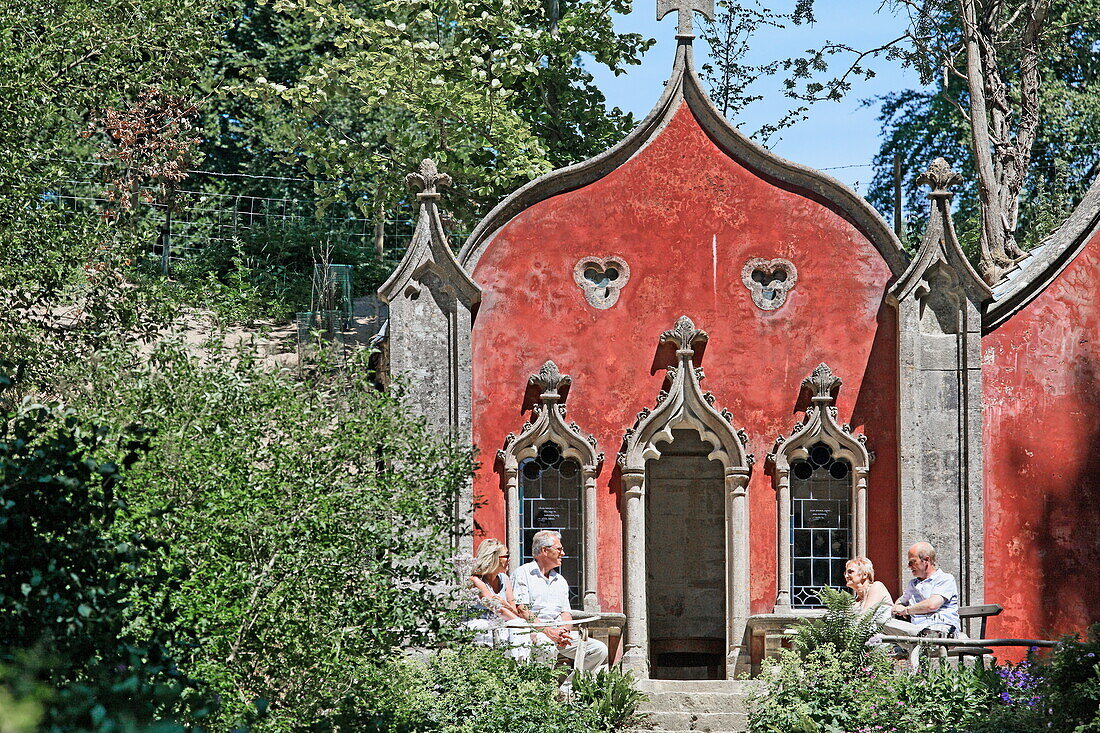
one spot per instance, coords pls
(600, 277)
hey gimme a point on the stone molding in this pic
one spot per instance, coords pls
(684, 86)
(819, 425)
(939, 301)
(684, 405)
(429, 252)
(431, 298)
(1031, 276)
(940, 246)
(547, 424)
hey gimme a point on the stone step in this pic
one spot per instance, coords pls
(696, 721)
(710, 706)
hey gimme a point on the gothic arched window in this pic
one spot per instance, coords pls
(821, 471)
(551, 497)
(550, 483)
(821, 523)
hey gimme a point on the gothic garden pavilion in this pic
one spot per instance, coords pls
(717, 373)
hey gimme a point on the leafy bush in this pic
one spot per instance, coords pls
(611, 696)
(821, 686)
(843, 627)
(312, 518)
(466, 689)
(71, 658)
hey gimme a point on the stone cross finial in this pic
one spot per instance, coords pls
(685, 8)
(940, 177)
(684, 334)
(822, 382)
(427, 178)
(550, 380)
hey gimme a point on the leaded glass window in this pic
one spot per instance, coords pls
(821, 522)
(550, 498)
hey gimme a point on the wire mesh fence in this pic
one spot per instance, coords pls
(211, 209)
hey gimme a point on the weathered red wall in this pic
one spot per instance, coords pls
(686, 217)
(1041, 383)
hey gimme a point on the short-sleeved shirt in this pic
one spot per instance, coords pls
(546, 595)
(941, 584)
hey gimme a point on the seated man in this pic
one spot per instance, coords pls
(931, 599)
(542, 593)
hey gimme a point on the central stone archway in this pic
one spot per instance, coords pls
(684, 407)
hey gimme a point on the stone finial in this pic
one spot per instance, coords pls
(550, 380)
(940, 177)
(684, 334)
(685, 8)
(427, 178)
(822, 382)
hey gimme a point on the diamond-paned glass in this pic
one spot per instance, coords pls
(821, 524)
(550, 498)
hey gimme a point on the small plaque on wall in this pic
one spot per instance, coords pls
(824, 515)
(547, 517)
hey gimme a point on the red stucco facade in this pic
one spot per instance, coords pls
(1041, 384)
(686, 216)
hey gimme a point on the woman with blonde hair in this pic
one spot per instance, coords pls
(495, 604)
(859, 575)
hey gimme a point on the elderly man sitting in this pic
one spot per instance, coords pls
(542, 593)
(930, 601)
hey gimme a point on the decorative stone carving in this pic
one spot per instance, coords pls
(769, 281)
(939, 301)
(428, 179)
(684, 405)
(684, 9)
(819, 426)
(601, 279)
(548, 425)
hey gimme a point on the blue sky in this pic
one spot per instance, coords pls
(836, 134)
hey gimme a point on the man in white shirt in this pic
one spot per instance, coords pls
(542, 593)
(930, 600)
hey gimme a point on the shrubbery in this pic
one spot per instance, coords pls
(313, 519)
(72, 656)
(855, 688)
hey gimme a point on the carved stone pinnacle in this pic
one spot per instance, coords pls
(685, 8)
(684, 334)
(427, 179)
(940, 177)
(822, 381)
(550, 380)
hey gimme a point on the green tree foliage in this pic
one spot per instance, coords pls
(920, 125)
(493, 91)
(69, 653)
(313, 519)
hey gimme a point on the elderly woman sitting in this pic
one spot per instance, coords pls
(859, 575)
(495, 605)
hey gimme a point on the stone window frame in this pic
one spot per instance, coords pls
(684, 405)
(819, 425)
(547, 425)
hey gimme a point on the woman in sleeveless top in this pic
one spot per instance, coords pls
(859, 575)
(494, 591)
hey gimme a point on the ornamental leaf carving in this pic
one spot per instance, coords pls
(549, 379)
(822, 382)
(940, 177)
(428, 178)
(684, 334)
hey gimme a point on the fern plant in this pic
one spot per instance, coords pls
(612, 698)
(843, 627)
